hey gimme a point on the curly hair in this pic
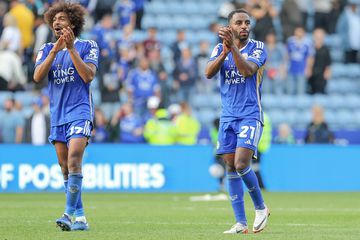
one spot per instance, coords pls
(74, 11)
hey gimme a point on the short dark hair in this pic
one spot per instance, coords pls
(240, 10)
(74, 11)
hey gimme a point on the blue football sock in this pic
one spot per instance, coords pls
(252, 183)
(73, 192)
(236, 193)
(66, 186)
(79, 212)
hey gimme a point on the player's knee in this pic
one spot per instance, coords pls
(240, 165)
(74, 166)
(74, 162)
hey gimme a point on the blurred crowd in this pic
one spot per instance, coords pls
(155, 96)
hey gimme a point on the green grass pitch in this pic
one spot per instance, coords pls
(174, 216)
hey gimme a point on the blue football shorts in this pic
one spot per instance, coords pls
(243, 133)
(75, 129)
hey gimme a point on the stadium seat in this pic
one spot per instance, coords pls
(191, 7)
(148, 21)
(4, 95)
(206, 116)
(25, 98)
(167, 37)
(199, 22)
(27, 111)
(346, 119)
(164, 22)
(210, 8)
(156, 7)
(335, 102)
(352, 101)
(303, 102)
(96, 95)
(270, 101)
(276, 116)
(320, 99)
(200, 101)
(181, 22)
(303, 118)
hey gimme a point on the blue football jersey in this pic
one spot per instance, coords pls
(240, 96)
(70, 96)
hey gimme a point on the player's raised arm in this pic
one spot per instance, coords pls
(44, 62)
(86, 71)
(216, 60)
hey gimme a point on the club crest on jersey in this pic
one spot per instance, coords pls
(256, 54)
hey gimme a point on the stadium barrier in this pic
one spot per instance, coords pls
(312, 168)
(144, 168)
(110, 167)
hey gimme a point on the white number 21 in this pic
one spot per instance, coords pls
(244, 131)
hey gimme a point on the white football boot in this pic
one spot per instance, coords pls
(237, 228)
(261, 219)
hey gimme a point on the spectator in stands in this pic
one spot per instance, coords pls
(290, 17)
(284, 135)
(101, 131)
(153, 104)
(185, 75)
(25, 22)
(37, 126)
(139, 11)
(318, 130)
(160, 130)
(102, 33)
(103, 7)
(157, 66)
(12, 76)
(275, 69)
(179, 45)
(204, 85)
(263, 12)
(321, 70)
(151, 43)
(322, 16)
(130, 125)
(348, 28)
(214, 28)
(300, 54)
(174, 110)
(11, 36)
(224, 9)
(337, 7)
(113, 81)
(125, 10)
(126, 47)
(187, 127)
(304, 6)
(263, 147)
(141, 84)
(33, 5)
(11, 123)
(3, 10)
(43, 33)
